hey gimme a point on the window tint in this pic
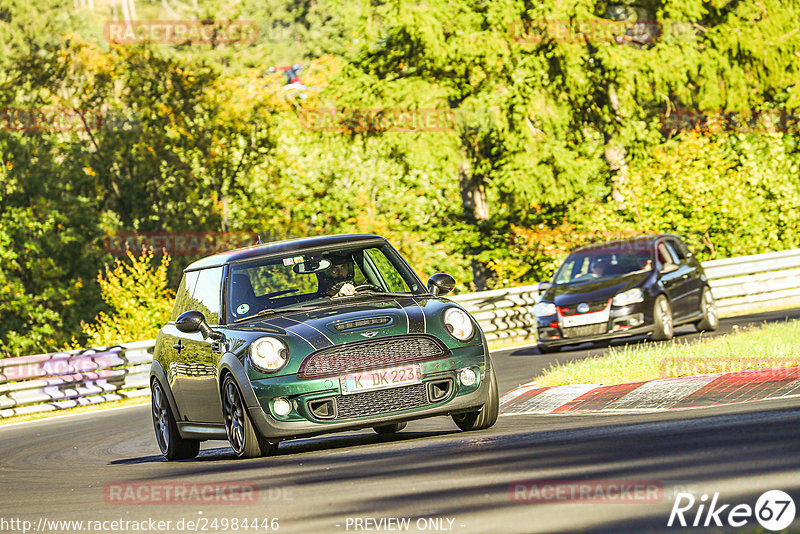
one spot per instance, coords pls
(666, 254)
(574, 268)
(313, 278)
(679, 248)
(602, 263)
(385, 270)
(184, 294)
(273, 277)
(206, 297)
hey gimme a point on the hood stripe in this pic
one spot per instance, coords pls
(318, 337)
(303, 331)
(416, 318)
(408, 322)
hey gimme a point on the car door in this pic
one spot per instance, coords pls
(673, 278)
(171, 344)
(197, 376)
(690, 269)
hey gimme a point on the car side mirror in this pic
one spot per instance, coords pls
(544, 286)
(668, 268)
(440, 284)
(194, 321)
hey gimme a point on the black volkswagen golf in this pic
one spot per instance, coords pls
(642, 285)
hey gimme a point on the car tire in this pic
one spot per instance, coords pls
(547, 349)
(244, 438)
(487, 416)
(663, 328)
(389, 429)
(710, 320)
(169, 440)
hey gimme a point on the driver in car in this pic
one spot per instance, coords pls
(597, 268)
(337, 280)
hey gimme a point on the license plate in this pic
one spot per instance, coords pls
(585, 318)
(380, 379)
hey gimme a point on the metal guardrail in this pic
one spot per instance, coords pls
(740, 285)
(504, 314)
(748, 283)
(46, 382)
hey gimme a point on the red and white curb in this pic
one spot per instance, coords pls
(659, 394)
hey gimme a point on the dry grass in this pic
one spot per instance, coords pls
(759, 347)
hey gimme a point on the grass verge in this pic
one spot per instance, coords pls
(757, 347)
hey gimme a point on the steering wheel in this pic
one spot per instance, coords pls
(364, 287)
(281, 292)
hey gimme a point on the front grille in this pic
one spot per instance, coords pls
(371, 354)
(572, 309)
(381, 401)
(585, 330)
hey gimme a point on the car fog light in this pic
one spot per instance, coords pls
(282, 407)
(467, 377)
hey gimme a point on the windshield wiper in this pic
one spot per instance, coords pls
(271, 311)
(372, 292)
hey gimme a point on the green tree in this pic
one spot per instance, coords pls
(138, 299)
(128, 140)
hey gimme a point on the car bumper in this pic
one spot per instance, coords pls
(301, 421)
(624, 322)
(644, 330)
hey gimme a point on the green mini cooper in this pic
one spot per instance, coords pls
(309, 336)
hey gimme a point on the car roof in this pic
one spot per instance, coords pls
(286, 247)
(616, 244)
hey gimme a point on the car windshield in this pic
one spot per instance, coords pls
(310, 278)
(602, 264)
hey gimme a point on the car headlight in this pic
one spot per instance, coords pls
(631, 296)
(544, 309)
(269, 354)
(458, 324)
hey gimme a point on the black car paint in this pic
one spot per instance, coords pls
(682, 285)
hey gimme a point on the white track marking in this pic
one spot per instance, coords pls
(553, 398)
(661, 394)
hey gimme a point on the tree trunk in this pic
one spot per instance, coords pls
(616, 159)
(224, 218)
(616, 155)
(475, 206)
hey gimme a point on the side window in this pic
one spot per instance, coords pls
(680, 249)
(666, 254)
(206, 297)
(184, 295)
(387, 271)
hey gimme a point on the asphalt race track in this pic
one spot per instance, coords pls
(106, 466)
